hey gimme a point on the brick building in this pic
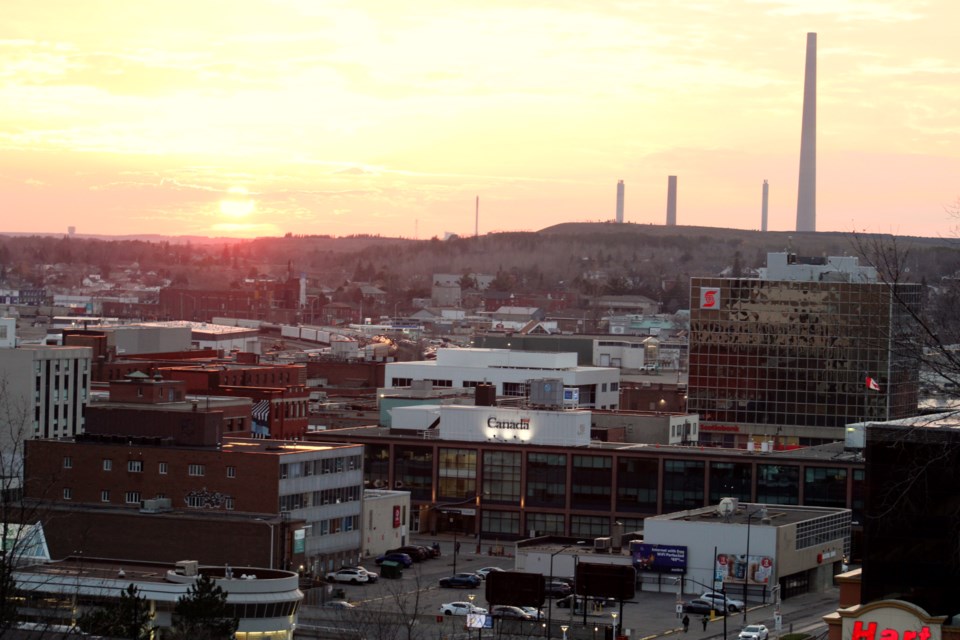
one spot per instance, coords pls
(311, 492)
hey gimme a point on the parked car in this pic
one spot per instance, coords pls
(339, 604)
(557, 589)
(464, 580)
(702, 607)
(353, 576)
(374, 576)
(754, 632)
(484, 571)
(507, 612)
(533, 611)
(718, 599)
(402, 559)
(416, 553)
(459, 609)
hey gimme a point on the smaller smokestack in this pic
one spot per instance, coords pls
(620, 189)
(763, 213)
(671, 201)
(476, 219)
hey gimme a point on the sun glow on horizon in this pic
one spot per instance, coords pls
(238, 204)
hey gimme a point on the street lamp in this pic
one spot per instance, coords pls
(550, 581)
(564, 628)
(471, 597)
(614, 614)
(746, 571)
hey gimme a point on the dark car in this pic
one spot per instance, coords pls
(507, 612)
(464, 580)
(557, 589)
(701, 607)
(415, 552)
(400, 558)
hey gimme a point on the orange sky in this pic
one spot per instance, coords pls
(257, 117)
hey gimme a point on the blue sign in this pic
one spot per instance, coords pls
(659, 558)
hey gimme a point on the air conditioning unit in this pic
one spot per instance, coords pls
(602, 545)
(186, 568)
(155, 505)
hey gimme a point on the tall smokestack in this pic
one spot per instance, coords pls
(807, 192)
(671, 201)
(476, 219)
(763, 207)
(620, 201)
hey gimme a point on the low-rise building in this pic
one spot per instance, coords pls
(264, 601)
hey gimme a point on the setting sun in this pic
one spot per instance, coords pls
(238, 204)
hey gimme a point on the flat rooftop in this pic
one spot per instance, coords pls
(100, 569)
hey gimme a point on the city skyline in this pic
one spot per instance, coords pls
(263, 118)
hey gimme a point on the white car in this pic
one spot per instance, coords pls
(754, 632)
(460, 609)
(717, 599)
(533, 611)
(353, 576)
(483, 572)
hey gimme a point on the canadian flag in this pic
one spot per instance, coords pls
(872, 384)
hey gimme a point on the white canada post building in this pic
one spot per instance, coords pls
(511, 373)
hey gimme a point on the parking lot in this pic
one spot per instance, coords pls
(417, 597)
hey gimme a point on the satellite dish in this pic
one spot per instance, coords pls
(727, 507)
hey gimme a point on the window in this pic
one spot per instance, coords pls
(68, 493)
(231, 472)
(163, 468)
(132, 497)
(196, 470)
(67, 462)
(105, 495)
(135, 466)
(228, 503)
(107, 464)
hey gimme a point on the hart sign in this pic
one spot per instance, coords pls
(890, 620)
(396, 517)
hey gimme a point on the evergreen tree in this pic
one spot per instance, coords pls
(8, 606)
(130, 618)
(203, 613)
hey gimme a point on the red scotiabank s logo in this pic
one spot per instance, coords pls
(709, 299)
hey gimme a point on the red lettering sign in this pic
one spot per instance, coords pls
(869, 632)
(396, 517)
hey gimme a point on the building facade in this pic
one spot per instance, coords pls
(264, 601)
(43, 393)
(511, 372)
(788, 355)
(320, 485)
(546, 483)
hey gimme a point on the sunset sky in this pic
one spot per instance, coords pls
(261, 117)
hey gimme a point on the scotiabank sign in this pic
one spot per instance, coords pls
(890, 620)
(710, 298)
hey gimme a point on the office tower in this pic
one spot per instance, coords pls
(807, 192)
(620, 201)
(671, 201)
(788, 354)
(763, 213)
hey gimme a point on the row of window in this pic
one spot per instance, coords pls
(163, 468)
(194, 499)
(336, 495)
(320, 467)
(624, 484)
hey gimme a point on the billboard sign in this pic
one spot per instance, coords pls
(738, 568)
(659, 558)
